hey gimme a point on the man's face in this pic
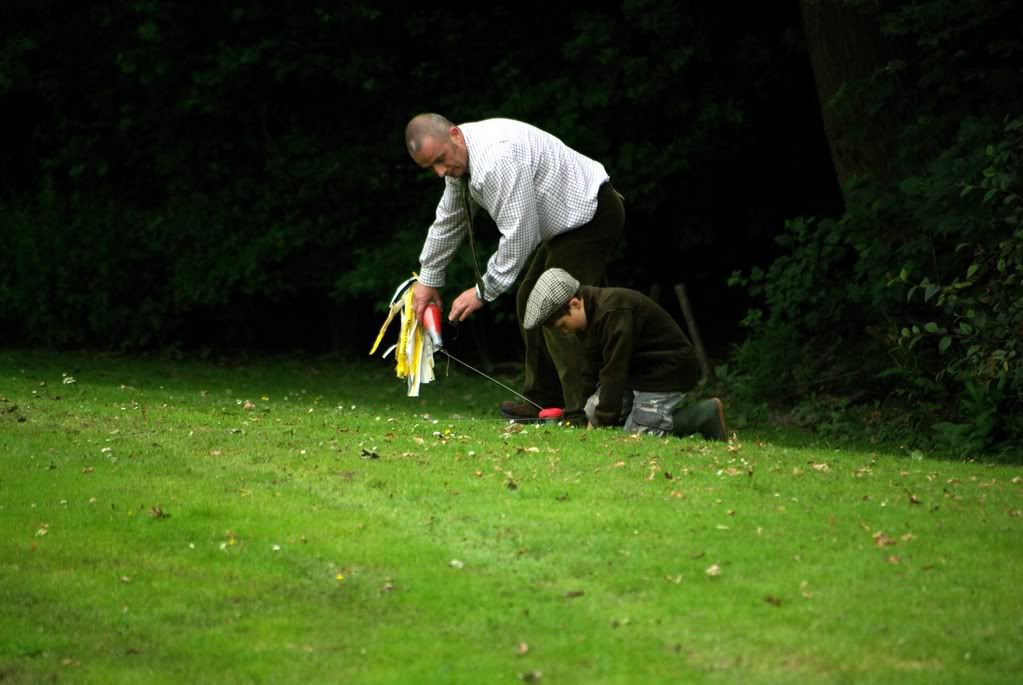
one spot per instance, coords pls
(447, 157)
(574, 321)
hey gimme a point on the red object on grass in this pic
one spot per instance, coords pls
(550, 413)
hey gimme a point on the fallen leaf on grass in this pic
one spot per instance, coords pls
(822, 468)
(88, 469)
(804, 589)
(1015, 513)
(456, 563)
(913, 499)
(158, 513)
(522, 649)
(44, 529)
(881, 540)
(893, 559)
(531, 676)
(713, 570)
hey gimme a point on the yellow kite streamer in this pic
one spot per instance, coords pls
(413, 352)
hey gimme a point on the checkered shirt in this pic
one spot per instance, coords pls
(534, 187)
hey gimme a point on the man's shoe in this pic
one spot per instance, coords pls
(519, 411)
(706, 418)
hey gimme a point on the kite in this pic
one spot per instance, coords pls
(414, 350)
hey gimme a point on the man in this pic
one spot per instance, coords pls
(553, 207)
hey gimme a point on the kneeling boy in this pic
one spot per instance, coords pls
(637, 359)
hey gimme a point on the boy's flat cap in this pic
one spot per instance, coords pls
(553, 289)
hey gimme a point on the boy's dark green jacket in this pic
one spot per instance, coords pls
(631, 343)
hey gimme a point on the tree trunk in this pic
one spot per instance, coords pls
(846, 50)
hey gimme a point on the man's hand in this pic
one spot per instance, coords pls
(464, 305)
(423, 295)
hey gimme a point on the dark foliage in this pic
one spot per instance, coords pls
(916, 290)
(234, 173)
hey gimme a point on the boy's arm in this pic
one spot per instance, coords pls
(616, 352)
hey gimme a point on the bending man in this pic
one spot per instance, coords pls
(553, 207)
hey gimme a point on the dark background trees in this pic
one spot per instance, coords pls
(233, 175)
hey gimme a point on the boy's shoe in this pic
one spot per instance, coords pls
(519, 411)
(706, 418)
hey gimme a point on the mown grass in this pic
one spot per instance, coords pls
(302, 521)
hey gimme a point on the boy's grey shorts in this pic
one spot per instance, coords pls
(642, 412)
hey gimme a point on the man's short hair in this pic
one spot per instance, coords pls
(423, 126)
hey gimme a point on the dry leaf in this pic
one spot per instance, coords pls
(822, 468)
(522, 649)
(893, 559)
(881, 540)
(713, 570)
(158, 513)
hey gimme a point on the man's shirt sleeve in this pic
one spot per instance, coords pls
(445, 235)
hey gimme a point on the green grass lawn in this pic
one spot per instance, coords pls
(287, 521)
